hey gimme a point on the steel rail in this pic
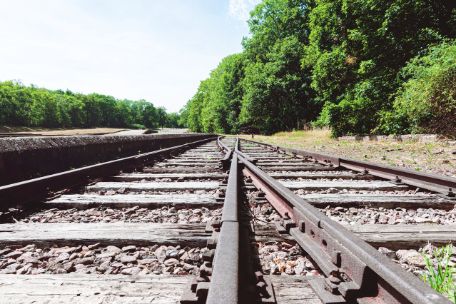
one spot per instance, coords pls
(238, 151)
(221, 145)
(228, 153)
(432, 182)
(355, 271)
(37, 188)
(231, 277)
(224, 285)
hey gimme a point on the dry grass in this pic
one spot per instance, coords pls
(436, 157)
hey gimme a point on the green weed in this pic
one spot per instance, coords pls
(441, 271)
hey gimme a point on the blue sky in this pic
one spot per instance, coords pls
(158, 50)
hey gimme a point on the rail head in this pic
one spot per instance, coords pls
(225, 161)
(221, 145)
(354, 269)
(230, 211)
(223, 284)
(238, 151)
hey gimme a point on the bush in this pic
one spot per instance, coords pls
(426, 102)
(136, 126)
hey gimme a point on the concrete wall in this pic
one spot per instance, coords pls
(26, 157)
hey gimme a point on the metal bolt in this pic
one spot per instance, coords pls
(206, 269)
(333, 279)
(211, 243)
(336, 258)
(288, 224)
(259, 276)
(302, 226)
(261, 285)
(260, 194)
(208, 255)
(202, 289)
(208, 264)
(216, 223)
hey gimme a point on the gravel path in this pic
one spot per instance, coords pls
(128, 260)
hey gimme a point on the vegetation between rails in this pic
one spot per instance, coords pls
(29, 106)
(359, 67)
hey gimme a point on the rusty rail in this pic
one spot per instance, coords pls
(355, 272)
(37, 188)
(224, 280)
(224, 286)
(232, 279)
(228, 153)
(432, 182)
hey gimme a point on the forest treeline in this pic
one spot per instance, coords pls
(357, 66)
(31, 106)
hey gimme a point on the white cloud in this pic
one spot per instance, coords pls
(241, 8)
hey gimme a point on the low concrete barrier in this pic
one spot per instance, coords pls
(27, 157)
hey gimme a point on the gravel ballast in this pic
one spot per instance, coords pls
(282, 258)
(127, 260)
(131, 215)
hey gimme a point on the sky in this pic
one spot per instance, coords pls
(157, 50)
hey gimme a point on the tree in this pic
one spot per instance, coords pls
(161, 117)
(277, 89)
(357, 48)
(38, 107)
(264, 86)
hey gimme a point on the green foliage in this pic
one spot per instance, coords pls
(265, 87)
(36, 107)
(347, 55)
(426, 102)
(172, 120)
(216, 105)
(357, 48)
(441, 271)
(277, 93)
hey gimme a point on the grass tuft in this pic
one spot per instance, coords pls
(441, 271)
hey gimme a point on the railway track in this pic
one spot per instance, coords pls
(223, 221)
